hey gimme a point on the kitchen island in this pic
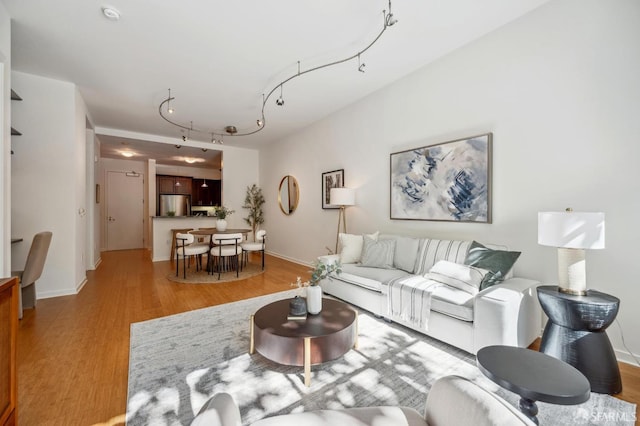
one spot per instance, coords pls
(161, 233)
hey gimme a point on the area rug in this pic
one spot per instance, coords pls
(177, 362)
(203, 277)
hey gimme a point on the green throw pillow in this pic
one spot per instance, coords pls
(497, 262)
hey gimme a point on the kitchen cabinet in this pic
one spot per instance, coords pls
(173, 184)
(8, 354)
(211, 195)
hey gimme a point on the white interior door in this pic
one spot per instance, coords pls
(124, 210)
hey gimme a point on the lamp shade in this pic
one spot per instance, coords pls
(342, 196)
(576, 230)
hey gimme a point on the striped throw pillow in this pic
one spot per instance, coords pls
(431, 251)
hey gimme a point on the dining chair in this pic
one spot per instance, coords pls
(187, 249)
(257, 245)
(226, 252)
(32, 271)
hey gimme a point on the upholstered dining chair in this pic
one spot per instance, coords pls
(187, 249)
(257, 245)
(225, 253)
(32, 270)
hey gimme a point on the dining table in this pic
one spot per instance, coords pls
(213, 231)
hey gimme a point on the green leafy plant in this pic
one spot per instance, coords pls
(321, 271)
(222, 212)
(254, 200)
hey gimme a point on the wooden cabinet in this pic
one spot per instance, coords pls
(183, 185)
(8, 354)
(173, 184)
(211, 195)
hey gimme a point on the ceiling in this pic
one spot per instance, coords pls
(220, 57)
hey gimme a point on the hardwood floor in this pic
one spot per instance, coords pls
(73, 351)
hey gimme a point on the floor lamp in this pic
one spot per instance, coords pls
(342, 197)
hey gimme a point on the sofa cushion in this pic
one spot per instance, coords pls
(406, 252)
(378, 254)
(351, 247)
(370, 278)
(453, 302)
(432, 251)
(463, 277)
(497, 262)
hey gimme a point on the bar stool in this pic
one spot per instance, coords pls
(174, 232)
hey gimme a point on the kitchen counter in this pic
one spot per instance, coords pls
(161, 234)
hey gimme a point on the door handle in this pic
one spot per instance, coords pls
(111, 219)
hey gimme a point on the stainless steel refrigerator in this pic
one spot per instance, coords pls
(175, 205)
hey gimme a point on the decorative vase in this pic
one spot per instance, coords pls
(297, 306)
(314, 299)
(221, 225)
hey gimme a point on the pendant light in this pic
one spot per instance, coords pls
(204, 184)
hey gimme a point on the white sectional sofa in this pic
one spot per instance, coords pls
(506, 313)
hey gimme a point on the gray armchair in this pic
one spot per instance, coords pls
(32, 270)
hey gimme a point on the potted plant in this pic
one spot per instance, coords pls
(254, 201)
(314, 292)
(221, 213)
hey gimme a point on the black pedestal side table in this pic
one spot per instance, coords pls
(575, 333)
(534, 376)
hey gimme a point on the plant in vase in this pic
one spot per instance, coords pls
(254, 201)
(319, 272)
(221, 213)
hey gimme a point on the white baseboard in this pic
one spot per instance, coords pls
(290, 259)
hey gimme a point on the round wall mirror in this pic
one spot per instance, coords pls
(288, 194)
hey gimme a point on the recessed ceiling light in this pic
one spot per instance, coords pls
(111, 13)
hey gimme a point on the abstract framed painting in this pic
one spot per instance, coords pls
(333, 179)
(449, 181)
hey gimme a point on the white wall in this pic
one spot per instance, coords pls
(558, 88)
(5, 142)
(48, 178)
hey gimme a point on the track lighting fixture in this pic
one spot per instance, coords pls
(280, 101)
(169, 108)
(388, 21)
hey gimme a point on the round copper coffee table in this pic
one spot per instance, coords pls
(314, 340)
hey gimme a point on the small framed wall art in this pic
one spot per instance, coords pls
(448, 181)
(333, 179)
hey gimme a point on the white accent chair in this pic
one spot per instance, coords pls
(452, 400)
(225, 253)
(257, 245)
(187, 249)
(32, 270)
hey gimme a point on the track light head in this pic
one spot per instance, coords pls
(361, 68)
(204, 149)
(260, 123)
(231, 130)
(178, 146)
(184, 138)
(391, 20)
(280, 101)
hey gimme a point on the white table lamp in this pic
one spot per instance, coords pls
(572, 233)
(342, 197)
